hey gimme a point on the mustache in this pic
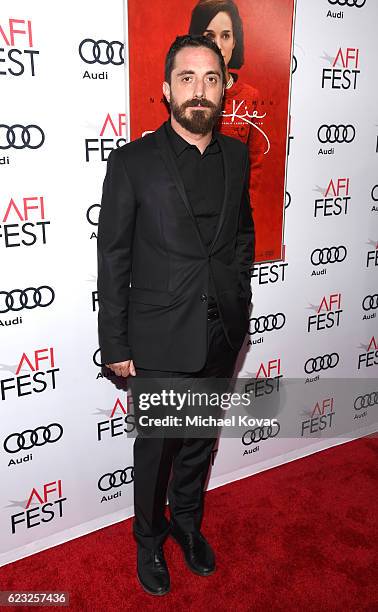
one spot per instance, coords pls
(198, 102)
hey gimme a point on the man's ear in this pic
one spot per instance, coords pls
(167, 90)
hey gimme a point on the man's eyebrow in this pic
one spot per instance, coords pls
(182, 72)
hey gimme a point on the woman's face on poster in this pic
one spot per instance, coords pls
(221, 32)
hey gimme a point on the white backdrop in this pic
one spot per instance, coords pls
(64, 106)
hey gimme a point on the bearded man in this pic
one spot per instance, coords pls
(175, 247)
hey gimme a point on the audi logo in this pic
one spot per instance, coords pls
(101, 52)
(370, 302)
(323, 362)
(93, 214)
(29, 298)
(30, 437)
(117, 479)
(366, 401)
(19, 136)
(328, 255)
(260, 433)
(268, 323)
(356, 3)
(336, 133)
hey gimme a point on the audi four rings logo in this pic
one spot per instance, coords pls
(267, 323)
(356, 3)
(117, 479)
(366, 401)
(30, 437)
(19, 136)
(370, 302)
(328, 255)
(323, 362)
(29, 298)
(260, 433)
(336, 133)
(101, 52)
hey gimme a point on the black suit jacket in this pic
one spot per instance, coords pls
(153, 265)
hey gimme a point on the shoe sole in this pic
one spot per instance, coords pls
(152, 592)
(204, 574)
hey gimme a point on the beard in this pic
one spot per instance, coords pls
(199, 121)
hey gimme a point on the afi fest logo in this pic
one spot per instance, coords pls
(270, 273)
(369, 357)
(345, 76)
(372, 255)
(336, 199)
(112, 135)
(17, 53)
(47, 501)
(320, 417)
(327, 313)
(41, 374)
(267, 379)
(118, 422)
(23, 222)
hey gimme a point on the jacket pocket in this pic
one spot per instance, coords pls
(149, 296)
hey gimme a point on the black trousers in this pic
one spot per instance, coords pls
(188, 458)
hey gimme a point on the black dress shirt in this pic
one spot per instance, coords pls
(203, 178)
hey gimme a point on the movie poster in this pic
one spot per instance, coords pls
(255, 37)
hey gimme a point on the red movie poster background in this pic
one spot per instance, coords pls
(264, 84)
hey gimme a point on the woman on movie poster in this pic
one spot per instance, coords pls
(220, 21)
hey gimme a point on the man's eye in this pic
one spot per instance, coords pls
(187, 78)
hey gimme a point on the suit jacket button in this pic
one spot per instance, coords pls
(203, 297)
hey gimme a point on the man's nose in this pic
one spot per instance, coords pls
(199, 89)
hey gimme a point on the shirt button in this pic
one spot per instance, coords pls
(203, 297)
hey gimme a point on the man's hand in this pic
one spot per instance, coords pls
(122, 368)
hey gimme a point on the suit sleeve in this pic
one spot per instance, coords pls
(114, 249)
(245, 239)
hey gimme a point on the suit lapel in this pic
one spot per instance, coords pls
(167, 154)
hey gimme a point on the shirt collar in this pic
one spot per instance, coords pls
(179, 144)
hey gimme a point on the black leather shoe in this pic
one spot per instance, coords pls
(199, 556)
(152, 570)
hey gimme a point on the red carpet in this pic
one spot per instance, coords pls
(302, 536)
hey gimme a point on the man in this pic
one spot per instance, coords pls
(175, 245)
